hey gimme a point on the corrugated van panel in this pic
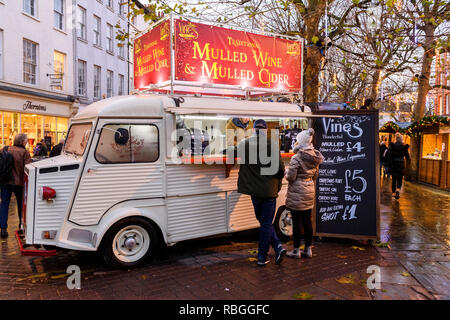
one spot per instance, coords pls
(109, 185)
(50, 215)
(189, 179)
(242, 214)
(192, 217)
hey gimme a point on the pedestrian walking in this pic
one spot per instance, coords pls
(384, 165)
(40, 151)
(21, 157)
(262, 187)
(56, 150)
(302, 172)
(397, 154)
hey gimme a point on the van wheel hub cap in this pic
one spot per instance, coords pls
(131, 243)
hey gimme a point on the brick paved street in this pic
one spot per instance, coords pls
(217, 268)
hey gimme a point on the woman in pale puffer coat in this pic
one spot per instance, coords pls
(301, 174)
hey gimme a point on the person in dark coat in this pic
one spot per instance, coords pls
(56, 151)
(384, 165)
(21, 158)
(41, 150)
(397, 154)
(262, 182)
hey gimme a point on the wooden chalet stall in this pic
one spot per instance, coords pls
(434, 162)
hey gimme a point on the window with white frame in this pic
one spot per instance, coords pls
(81, 78)
(109, 37)
(121, 7)
(29, 61)
(97, 31)
(58, 14)
(110, 4)
(58, 69)
(121, 84)
(29, 6)
(97, 81)
(109, 83)
(81, 23)
(121, 47)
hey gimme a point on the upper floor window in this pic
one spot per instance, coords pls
(109, 83)
(121, 8)
(109, 37)
(97, 81)
(58, 66)
(97, 31)
(29, 6)
(121, 84)
(110, 4)
(81, 78)
(58, 13)
(29, 61)
(81, 22)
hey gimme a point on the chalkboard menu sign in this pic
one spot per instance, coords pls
(348, 185)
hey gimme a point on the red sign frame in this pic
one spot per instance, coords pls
(210, 59)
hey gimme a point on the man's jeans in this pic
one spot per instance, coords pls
(6, 192)
(264, 212)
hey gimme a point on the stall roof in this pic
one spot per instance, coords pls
(151, 105)
(234, 107)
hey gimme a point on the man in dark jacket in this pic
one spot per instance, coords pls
(21, 158)
(56, 151)
(261, 179)
(397, 154)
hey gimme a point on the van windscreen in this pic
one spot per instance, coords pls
(77, 138)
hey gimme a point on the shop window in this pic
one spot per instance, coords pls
(61, 128)
(432, 146)
(124, 143)
(10, 127)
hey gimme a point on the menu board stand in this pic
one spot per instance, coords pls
(348, 185)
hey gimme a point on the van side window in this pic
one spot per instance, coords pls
(125, 143)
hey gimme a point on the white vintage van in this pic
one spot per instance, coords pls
(116, 187)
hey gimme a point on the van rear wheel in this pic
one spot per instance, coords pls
(283, 224)
(129, 243)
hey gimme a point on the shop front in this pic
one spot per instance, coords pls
(435, 162)
(39, 118)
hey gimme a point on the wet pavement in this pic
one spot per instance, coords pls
(412, 257)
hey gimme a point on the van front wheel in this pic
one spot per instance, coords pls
(129, 243)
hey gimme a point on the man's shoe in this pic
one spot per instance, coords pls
(308, 252)
(4, 233)
(397, 194)
(294, 254)
(262, 263)
(20, 231)
(279, 256)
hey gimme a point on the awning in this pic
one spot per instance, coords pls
(239, 108)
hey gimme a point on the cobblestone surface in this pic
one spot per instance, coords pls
(224, 268)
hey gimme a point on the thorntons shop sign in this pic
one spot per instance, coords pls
(30, 106)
